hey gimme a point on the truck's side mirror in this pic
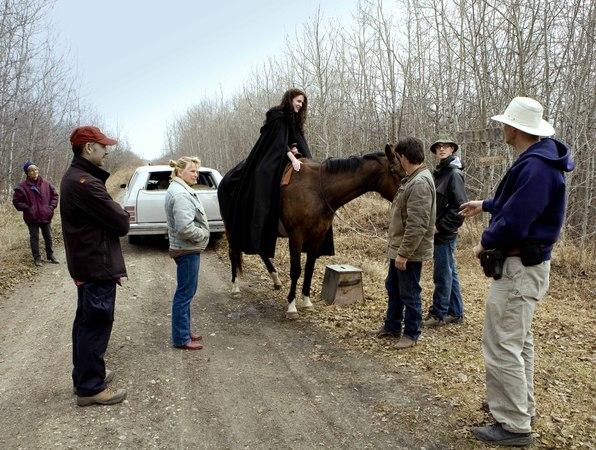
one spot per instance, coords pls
(123, 185)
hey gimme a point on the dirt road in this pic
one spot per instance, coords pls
(260, 382)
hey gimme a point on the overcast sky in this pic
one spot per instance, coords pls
(141, 63)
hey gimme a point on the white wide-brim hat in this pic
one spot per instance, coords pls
(525, 114)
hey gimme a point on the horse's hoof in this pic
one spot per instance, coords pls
(305, 304)
(291, 315)
(275, 278)
(307, 307)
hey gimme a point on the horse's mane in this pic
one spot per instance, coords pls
(350, 164)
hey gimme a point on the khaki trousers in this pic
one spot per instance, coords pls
(508, 343)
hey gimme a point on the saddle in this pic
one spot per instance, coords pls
(286, 178)
(287, 175)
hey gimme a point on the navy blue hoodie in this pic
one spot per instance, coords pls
(530, 200)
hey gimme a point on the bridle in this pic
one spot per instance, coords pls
(393, 171)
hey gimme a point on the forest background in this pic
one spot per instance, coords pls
(409, 67)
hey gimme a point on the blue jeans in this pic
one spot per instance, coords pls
(447, 296)
(187, 276)
(404, 303)
(90, 335)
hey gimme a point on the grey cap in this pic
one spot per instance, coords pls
(443, 138)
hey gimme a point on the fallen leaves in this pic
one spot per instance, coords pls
(449, 359)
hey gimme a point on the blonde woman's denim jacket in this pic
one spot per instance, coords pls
(188, 228)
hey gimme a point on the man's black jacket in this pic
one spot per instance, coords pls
(92, 223)
(451, 193)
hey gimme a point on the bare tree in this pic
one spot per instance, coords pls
(421, 66)
(39, 102)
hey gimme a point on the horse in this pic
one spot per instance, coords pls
(308, 206)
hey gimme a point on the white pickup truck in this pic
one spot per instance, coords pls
(145, 195)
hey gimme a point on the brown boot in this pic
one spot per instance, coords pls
(108, 396)
(190, 345)
(405, 342)
(195, 336)
(384, 333)
(433, 321)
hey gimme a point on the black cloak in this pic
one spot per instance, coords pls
(249, 194)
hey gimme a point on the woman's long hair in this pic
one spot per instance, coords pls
(286, 107)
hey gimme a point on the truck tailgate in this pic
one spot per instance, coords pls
(208, 199)
(150, 206)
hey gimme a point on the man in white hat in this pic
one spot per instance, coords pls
(527, 214)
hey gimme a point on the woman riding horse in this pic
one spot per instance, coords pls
(249, 194)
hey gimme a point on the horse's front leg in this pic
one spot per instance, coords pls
(309, 268)
(295, 269)
(272, 272)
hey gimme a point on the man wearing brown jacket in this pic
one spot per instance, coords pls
(92, 223)
(410, 242)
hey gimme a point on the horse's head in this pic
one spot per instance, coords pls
(389, 181)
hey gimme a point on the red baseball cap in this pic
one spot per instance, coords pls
(82, 135)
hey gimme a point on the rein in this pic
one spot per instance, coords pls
(321, 189)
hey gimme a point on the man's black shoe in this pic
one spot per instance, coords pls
(496, 435)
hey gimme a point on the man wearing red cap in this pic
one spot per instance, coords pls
(92, 223)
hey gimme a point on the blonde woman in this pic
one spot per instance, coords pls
(188, 232)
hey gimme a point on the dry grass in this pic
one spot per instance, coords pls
(15, 259)
(449, 360)
(117, 178)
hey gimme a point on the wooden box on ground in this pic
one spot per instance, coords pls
(342, 284)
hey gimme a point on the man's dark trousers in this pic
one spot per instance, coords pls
(404, 304)
(46, 231)
(90, 335)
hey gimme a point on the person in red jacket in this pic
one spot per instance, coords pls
(37, 198)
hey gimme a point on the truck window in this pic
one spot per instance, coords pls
(158, 181)
(133, 180)
(205, 182)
